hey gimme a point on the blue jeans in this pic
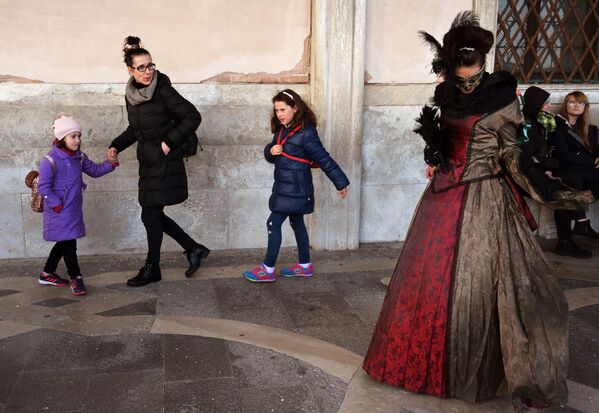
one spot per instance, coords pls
(273, 226)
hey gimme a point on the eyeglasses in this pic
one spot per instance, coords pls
(142, 68)
(575, 102)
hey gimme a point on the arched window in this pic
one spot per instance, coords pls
(549, 41)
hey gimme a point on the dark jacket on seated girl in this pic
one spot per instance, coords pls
(570, 148)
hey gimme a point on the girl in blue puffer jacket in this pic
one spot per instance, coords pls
(294, 150)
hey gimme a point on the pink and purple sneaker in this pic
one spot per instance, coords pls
(260, 275)
(77, 286)
(52, 279)
(298, 271)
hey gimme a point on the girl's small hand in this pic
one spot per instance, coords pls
(342, 193)
(430, 171)
(111, 155)
(276, 150)
(597, 162)
(165, 148)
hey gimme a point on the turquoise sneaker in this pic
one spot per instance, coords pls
(298, 271)
(260, 275)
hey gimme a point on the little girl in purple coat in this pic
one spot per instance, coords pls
(61, 185)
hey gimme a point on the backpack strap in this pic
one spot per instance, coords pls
(295, 158)
(49, 158)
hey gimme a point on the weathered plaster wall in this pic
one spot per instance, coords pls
(74, 41)
(229, 181)
(394, 51)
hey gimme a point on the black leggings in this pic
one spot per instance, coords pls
(582, 179)
(157, 223)
(68, 251)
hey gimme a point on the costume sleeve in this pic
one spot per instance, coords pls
(124, 140)
(95, 170)
(45, 184)
(317, 153)
(510, 153)
(187, 117)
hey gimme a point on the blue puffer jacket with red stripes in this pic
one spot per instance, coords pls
(293, 191)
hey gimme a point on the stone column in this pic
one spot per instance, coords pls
(487, 12)
(337, 95)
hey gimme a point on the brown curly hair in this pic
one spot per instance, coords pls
(303, 115)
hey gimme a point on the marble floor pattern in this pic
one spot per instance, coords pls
(216, 343)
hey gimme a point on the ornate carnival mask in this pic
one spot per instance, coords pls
(468, 84)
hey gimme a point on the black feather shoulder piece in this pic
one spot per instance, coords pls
(428, 126)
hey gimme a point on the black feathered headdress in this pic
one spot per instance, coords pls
(465, 35)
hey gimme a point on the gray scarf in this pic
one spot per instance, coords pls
(136, 96)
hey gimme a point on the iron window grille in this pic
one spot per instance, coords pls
(549, 41)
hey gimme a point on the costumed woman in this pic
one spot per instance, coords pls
(472, 301)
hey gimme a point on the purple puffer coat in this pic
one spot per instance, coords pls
(64, 185)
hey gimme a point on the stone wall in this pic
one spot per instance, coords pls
(229, 181)
(392, 165)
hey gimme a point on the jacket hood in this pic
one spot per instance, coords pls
(534, 99)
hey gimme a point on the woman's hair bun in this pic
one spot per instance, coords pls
(131, 48)
(132, 42)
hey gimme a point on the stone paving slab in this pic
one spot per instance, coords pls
(217, 343)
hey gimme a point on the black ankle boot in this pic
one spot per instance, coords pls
(584, 229)
(568, 247)
(149, 273)
(195, 257)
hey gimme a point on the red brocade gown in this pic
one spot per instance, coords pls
(473, 301)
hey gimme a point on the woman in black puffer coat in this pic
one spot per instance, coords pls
(163, 124)
(294, 150)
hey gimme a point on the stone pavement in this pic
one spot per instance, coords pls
(217, 343)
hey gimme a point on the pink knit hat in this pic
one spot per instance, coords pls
(64, 125)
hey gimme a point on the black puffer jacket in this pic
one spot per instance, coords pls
(293, 191)
(168, 118)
